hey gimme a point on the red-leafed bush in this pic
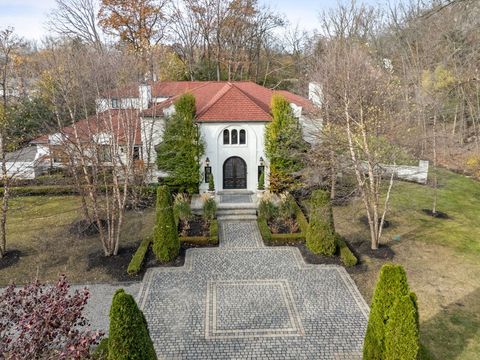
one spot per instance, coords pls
(40, 321)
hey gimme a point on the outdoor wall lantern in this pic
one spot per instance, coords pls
(262, 162)
(208, 169)
(261, 167)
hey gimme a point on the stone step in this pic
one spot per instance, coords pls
(248, 211)
(236, 217)
(235, 192)
(222, 206)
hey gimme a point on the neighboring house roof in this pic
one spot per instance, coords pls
(123, 122)
(224, 101)
(26, 154)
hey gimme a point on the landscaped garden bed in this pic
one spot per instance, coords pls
(191, 231)
(284, 223)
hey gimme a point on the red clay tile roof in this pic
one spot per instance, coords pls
(124, 123)
(224, 101)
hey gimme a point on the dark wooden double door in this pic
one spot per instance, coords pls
(234, 173)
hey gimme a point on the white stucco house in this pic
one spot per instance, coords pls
(231, 117)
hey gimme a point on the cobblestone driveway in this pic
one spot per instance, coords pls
(246, 301)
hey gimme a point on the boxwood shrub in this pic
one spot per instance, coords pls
(136, 263)
(320, 234)
(346, 255)
(129, 337)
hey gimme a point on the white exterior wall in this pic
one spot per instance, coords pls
(217, 153)
(152, 130)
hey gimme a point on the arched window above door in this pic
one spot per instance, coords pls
(234, 137)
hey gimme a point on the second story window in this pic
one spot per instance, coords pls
(115, 104)
(226, 137)
(234, 137)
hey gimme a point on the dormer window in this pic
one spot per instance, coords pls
(115, 103)
(234, 137)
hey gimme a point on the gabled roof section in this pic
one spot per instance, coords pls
(124, 123)
(224, 101)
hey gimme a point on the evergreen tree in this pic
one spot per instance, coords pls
(166, 244)
(391, 286)
(181, 149)
(320, 236)
(401, 331)
(129, 338)
(284, 146)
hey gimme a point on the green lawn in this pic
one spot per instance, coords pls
(38, 228)
(441, 257)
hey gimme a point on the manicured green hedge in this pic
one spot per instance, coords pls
(301, 218)
(264, 229)
(129, 337)
(42, 190)
(346, 255)
(391, 287)
(214, 231)
(166, 245)
(101, 351)
(320, 234)
(277, 239)
(137, 259)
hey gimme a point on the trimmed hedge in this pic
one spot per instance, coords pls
(214, 231)
(101, 351)
(320, 234)
(136, 263)
(277, 239)
(346, 255)
(301, 218)
(42, 190)
(401, 330)
(391, 286)
(166, 245)
(129, 337)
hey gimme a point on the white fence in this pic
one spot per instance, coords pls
(418, 174)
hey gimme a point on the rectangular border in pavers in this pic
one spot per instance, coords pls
(212, 331)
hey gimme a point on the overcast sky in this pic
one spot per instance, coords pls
(28, 16)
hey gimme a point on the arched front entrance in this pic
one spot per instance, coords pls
(234, 173)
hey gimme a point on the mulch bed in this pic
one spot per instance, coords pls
(197, 226)
(279, 226)
(317, 259)
(384, 252)
(115, 266)
(436, 214)
(10, 258)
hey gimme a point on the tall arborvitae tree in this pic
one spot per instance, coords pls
(284, 146)
(181, 148)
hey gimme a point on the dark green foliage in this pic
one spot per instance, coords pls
(214, 232)
(264, 229)
(284, 146)
(287, 239)
(101, 352)
(136, 263)
(166, 245)
(301, 219)
(320, 235)
(42, 190)
(129, 338)
(391, 286)
(261, 181)
(209, 209)
(401, 330)
(267, 209)
(346, 255)
(181, 148)
(211, 184)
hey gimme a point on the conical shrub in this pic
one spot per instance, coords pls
(166, 244)
(401, 331)
(391, 286)
(129, 338)
(320, 236)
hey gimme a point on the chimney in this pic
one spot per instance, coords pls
(144, 96)
(315, 93)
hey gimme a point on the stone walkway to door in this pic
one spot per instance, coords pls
(243, 300)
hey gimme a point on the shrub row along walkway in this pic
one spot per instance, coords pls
(245, 300)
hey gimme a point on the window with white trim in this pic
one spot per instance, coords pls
(234, 137)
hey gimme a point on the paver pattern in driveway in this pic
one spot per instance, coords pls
(243, 300)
